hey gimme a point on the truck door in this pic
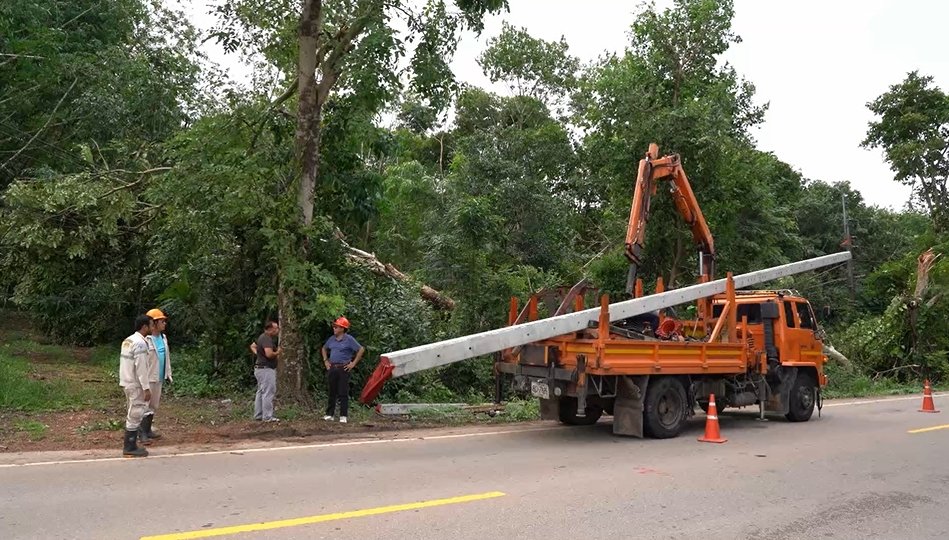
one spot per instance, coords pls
(811, 350)
(791, 344)
(799, 343)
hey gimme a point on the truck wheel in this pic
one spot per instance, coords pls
(665, 409)
(568, 413)
(718, 405)
(802, 398)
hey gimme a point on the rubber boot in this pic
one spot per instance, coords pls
(147, 427)
(142, 435)
(131, 449)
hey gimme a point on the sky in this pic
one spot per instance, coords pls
(815, 63)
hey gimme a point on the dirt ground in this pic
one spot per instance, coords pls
(92, 412)
(177, 423)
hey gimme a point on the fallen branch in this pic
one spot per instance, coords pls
(879, 374)
(830, 351)
(374, 265)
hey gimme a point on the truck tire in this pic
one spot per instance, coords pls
(568, 413)
(718, 405)
(666, 408)
(802, 398)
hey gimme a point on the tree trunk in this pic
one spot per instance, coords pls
(291, 365)
(291, 372)
(308, 111)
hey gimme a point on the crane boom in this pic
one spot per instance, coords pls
(652, 169)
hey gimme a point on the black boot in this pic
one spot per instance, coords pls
(147, 427)
(142, 434)
(131, 449)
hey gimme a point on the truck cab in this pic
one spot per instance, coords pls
(783, 333)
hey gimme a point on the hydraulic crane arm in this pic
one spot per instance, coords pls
(652, 169)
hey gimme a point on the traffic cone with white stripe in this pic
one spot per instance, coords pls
(928, 405)
(711, 423)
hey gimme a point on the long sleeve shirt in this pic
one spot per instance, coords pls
(133, 361)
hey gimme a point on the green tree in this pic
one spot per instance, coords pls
(529, 66)
(912, 128)
(345, 53)
(88, 92)
(670, 87)
(86, 73)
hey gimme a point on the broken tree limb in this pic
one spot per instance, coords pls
(925, 263)
(369, 261)
(830, 351)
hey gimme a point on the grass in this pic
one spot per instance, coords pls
(35, 377)
(518, 410)
(102, 425)
(36, 430)
(847, 382)
(20, 391)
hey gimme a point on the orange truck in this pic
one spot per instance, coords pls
(650, 371)
(757, 348)
(634, 359)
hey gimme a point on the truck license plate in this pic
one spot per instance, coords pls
(540, 389)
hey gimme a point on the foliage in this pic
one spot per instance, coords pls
(913, 130)
(124, 185)
(893, 341)
(529, 66)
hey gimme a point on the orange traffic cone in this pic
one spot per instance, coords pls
(711, 423)
(928, 405)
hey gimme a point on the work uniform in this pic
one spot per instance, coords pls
(265, 370)
(159, 369)
(342, 351)
(133, 377)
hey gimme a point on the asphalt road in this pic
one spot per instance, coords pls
(855, 472)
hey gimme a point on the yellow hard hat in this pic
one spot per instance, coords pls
(155, 314)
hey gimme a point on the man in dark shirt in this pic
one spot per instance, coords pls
(265, 369)
(341, 353)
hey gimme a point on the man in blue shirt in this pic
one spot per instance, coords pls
(341, 353)
(159, 369)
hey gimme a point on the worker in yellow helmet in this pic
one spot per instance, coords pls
(159, 371)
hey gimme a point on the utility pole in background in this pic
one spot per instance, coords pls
(848, 243)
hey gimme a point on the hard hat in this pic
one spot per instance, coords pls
(155, 314)
(342, 322)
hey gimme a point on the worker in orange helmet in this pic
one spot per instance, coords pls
(341, 353)
(159, 371)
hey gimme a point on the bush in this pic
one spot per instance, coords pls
(196, 375)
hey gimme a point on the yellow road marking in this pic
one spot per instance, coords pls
(269, 525)
(924, 430)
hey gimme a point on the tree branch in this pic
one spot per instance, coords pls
(42, 129)
(287, 94)
(132, 184)
(329, 67)
(369, 261)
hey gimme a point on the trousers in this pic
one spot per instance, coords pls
(339, 390)
(135, 396)
(266, 389)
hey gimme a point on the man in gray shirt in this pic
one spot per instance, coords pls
(265, 370)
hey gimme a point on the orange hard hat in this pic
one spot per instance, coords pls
(155, 314)
(342, 322)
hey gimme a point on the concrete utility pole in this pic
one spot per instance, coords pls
(848, 243)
